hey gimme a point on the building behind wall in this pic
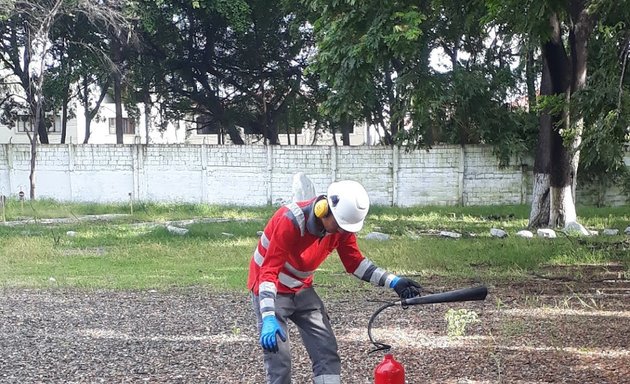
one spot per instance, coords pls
(103, 131)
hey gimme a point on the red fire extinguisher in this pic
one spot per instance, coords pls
(389, 371)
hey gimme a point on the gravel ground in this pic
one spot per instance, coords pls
(540, 332)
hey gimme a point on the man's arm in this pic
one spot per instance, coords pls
(366, 270)
(273, 248)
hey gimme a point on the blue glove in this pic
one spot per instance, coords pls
(405, 288)
(270, 327)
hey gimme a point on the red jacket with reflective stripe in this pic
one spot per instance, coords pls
(283, 242)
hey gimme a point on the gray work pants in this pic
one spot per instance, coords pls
(306, 310)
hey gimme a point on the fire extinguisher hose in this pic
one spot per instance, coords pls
(465, 294)
(378, 345)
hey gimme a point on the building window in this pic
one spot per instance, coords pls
(24, 123)
(54, 123)
(128, 126)
(339, 127)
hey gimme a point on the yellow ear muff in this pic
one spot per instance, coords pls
(321, 208)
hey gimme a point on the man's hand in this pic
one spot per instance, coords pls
(406, 288)
(271, 327)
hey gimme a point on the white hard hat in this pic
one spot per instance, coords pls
(349, 204)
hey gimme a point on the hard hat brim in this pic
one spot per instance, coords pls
(356, 227)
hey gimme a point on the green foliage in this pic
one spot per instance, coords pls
(357, 47)
(376, 60)
(467, 107)
(216, 59)
(551, 104)
(457, 320)
(529, 18)
(605, 105)
(600, 111)
(6, 6)
(236, 12)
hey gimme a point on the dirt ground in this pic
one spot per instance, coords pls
(550, 329)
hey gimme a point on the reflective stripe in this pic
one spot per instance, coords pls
(299, 216)
(360, 271)
(389, 279)
(267, 298)
(284, 279)
(289, 281)
(258, 258)
(267, 303)
(267, 306)
(267, 286)
(296, 272)
(264, 240)
(327, 379)
(376, 276)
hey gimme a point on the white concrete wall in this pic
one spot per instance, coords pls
(259, 175)
(484, 179)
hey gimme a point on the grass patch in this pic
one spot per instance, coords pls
(135, 251)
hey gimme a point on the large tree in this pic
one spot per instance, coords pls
(377, 59)
(238, 65)
(567, 66)
(605, 103)
(23, 47)
(565, 30)
(27, 50)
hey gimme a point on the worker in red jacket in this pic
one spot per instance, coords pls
(295, 242)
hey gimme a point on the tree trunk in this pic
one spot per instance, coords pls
(31, 175)
(88, 121)
(288, 134)
(118, 106)
(34, 139)
(117, 80)
(64, 116)
(148, 106)
(232, 131)
(346, 126)
(90, 114)
(578, 40)
(562, 206)
(271, 128)
(563, 211)
(393, 103)
(86, 110)
(567, 76)
(42, 132)
(539, 214)
(561, 171)
(530, 76)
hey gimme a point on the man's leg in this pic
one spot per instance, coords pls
(314, 325)
(277, 365)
